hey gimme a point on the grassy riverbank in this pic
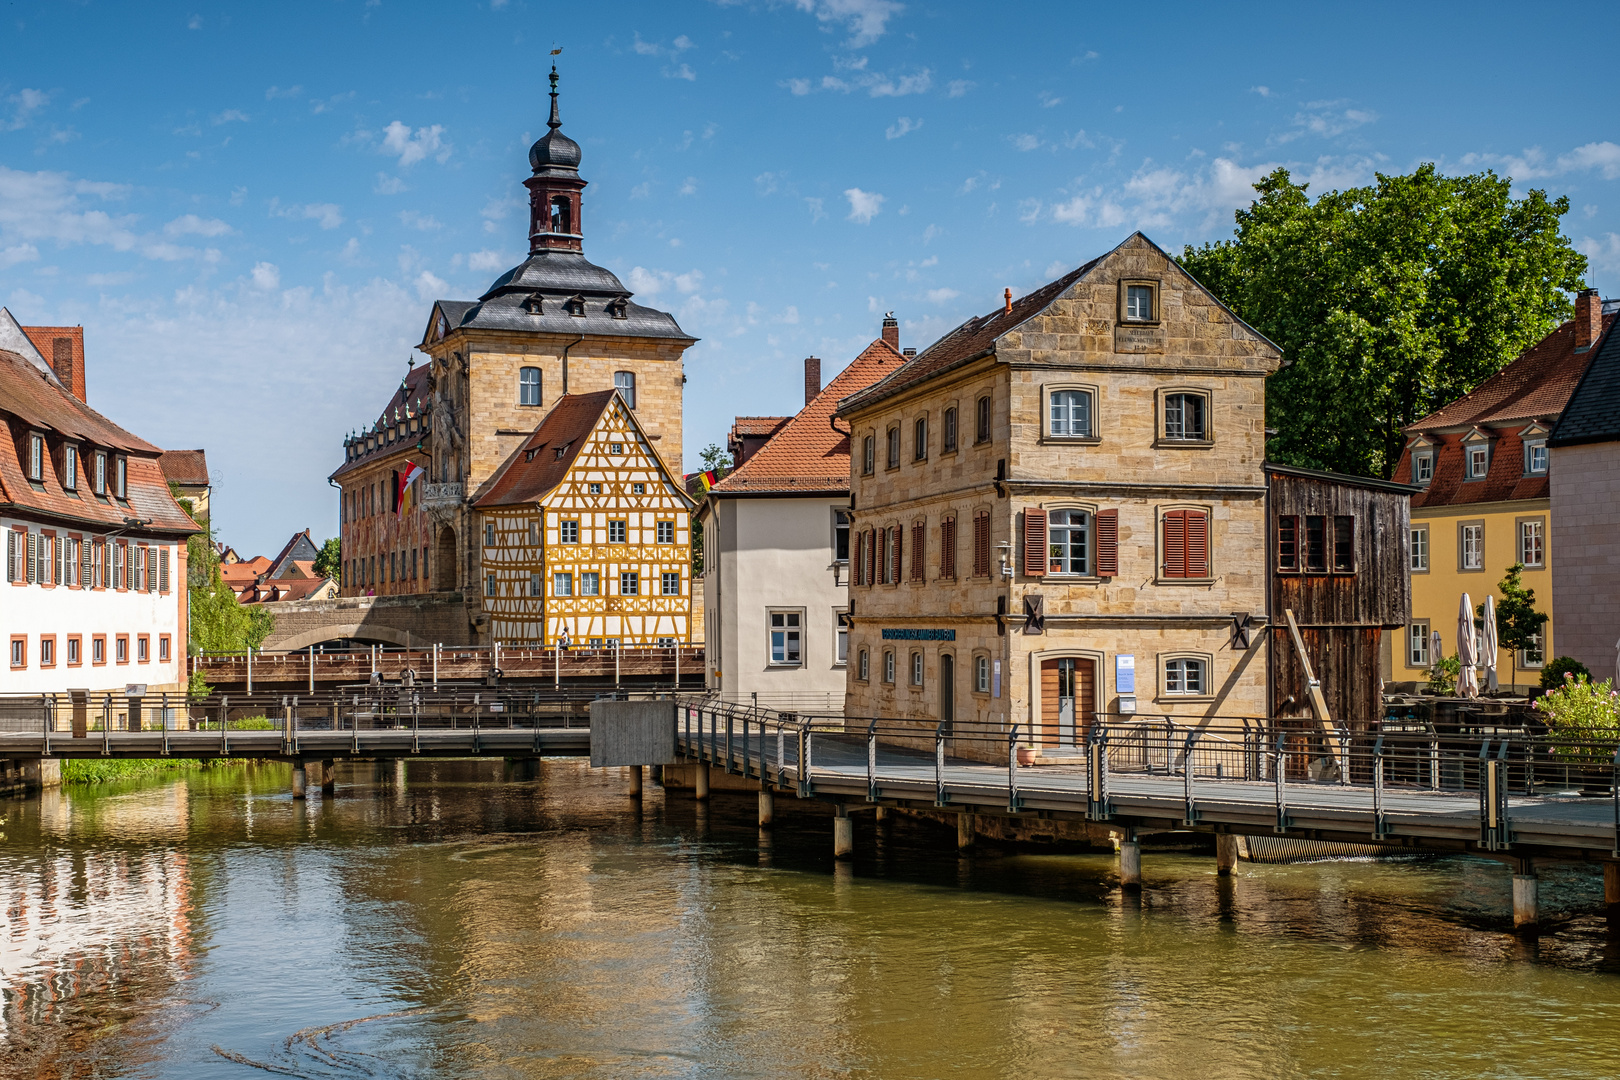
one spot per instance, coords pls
(111, 770)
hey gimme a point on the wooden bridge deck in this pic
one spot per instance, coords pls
(320, 670)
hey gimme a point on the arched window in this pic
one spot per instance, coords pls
(625, 383)
(562, 217)
(529, 386)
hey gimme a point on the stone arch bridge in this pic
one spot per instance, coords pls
(408, 621)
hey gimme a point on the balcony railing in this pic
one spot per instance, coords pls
(442, 496)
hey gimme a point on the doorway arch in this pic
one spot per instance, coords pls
(444, 560)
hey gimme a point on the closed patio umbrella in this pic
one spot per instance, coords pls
(1467, 650)
(1434, 647)
(1487, 646)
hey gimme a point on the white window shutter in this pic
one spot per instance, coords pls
(84, 565)
(163, 570)
(11, 556)
(151, 570)
(33, 557)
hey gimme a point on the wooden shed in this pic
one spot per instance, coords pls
(1337, 558)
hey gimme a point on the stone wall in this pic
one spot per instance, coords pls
(1586, 575)
(414, 621)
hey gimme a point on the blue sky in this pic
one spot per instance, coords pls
(251, 210)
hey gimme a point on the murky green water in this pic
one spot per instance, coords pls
(464, 925)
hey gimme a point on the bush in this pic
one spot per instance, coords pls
(1585, 713)
(197, 687)
(1552, 675)
(1443, 675)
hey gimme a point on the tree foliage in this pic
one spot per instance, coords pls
(218, 622)
(1517, 620)
(716, 459)
(329, 561)
(1387, 301)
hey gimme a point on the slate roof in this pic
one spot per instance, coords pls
(33, 399)
(556, 277)
(1593, 412)
(412, 391)
(809, 455)
(526, 478)
(185, 467)
(300, 547)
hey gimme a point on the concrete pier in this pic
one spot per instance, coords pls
(843, 833)
(1226, 853)
(1611, 890)
(767, 808)
(964, 832)
(635, 782)
(298, 780)
(1526, 900)
(1130, 861)
(701, 780)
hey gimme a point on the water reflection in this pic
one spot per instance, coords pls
(474, 919)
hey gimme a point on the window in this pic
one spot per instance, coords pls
(36, 457)
(1418, 549)
(1471, 546)
(888, 665)
(981, 544)
(638, 489)
(615, 447)
(47, 650)
(947, 548)
(1139, 303)
(840, 639)
(785, 631)
(70, 468)
(100, 484)
(1535, 655)
(919, 439)
(1423, 468)
(948, 431)
(593, 489)
(1184, 418)
(75, 650)
(1185, 547)
(1184, 677)
(916, 669)
(625, 383)
(666, 532)
(629, 583)
(142, 649)
(1479, 461)
(617, 532)
(590, 583)
(1535, 458)
(529, 386)
(1288, 544)
(489, 584)
(981, 421)
(1344, 544)
(98, 649)
(981, 674)
(893, 458)
(1417, 644)
(868, 454)
(863, 666)
(489, 534)
(1068, 542)
(670, 582)
(19, 651)
(121, 649)
(1069, 414)
(561, 218)
(841, 536)
(568, 531)
(121, 477)
(1532, 542)
(561, 585)
(1316, 544)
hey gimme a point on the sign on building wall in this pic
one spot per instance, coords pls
(995, 679)
(915, 634)
(1124, 674)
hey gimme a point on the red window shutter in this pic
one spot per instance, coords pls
(1107, 528)
(981, 545)
(1197, 544)
(1035, 543)
(919, 542)
(947, 548)
(895, 554)
(1175, 543)
(860, 553)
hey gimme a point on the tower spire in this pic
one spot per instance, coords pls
(555, 122)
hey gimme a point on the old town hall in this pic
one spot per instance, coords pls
(551, 329)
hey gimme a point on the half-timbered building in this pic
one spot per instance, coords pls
(585, 530)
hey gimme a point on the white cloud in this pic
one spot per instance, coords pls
(798, 87)
(278, 92)
(192, 225)
(413, 219)
(413, 146)
(652, 282)
(1263, 91)
(942, 296)
(25, 103)
(906, 84)
(1533, 163)
(903, 126)
(266, 276)
(791, 315)
(875, 84)
(641, 190)
(328, 215)
(1025, 142)
(1325, 119)
(683, 72)
(1073, 212)
(863, 205)
(689, 187)
(429, 286)
(18, 253)
(53, 206)
(958, 87)
(488, 260)
(230, 116)
(194, 23)
(818, 209)
(1056, 269)
(866, 20)
(388, 185)
(1603, 253)
(1048, 99)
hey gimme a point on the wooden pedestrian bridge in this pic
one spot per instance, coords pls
(1514, 795)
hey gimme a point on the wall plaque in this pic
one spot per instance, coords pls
(1139, 339)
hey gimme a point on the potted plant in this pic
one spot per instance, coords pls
(1587, 715)
(1443, 674)
(1027, 754)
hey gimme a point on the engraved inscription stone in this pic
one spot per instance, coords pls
(1139, 339)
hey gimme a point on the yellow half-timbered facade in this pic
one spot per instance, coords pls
(586, 531)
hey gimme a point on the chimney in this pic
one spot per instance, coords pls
(1006, 299)
(908, 353)
(62, 362)
(1588, 319)
(891, 331)
(812, 378)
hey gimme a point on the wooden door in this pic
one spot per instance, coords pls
(1068, 709)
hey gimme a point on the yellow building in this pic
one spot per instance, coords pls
(586, 531)
(1482, 462)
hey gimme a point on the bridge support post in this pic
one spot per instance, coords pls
(1130, 861)
(328, 778)
(298, 780)
(1611, 891)
(964, 832)
(635, 781)
(1226, 854)
(767, 808)
(843, 833)
(700, 780)
(1526, 899)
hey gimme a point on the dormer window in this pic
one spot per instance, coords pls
(70, 468)
(1535, 458)
(575, 305)
(121, 477)
(534, 305)
(1423, 467)
(100, 479)
(36, 456)
(618, 307)
(1479, 461)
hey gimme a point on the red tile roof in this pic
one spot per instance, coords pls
(188, 467)
(744, 426)
(526, 476)
(809, 455)
(32, 400)
(270, 592)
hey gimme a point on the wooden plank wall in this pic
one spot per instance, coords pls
(1345, 660)
(1379, 592)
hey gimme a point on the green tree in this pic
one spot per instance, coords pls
(1518, 623)
(218, 622)
(329, 562)
(715, 459)
(1387, 301)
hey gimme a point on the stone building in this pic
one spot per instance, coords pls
(1058, 507)
(586, 532)
(552, 326)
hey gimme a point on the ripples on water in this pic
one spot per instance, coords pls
(467, 924)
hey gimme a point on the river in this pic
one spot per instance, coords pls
(467, 923)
